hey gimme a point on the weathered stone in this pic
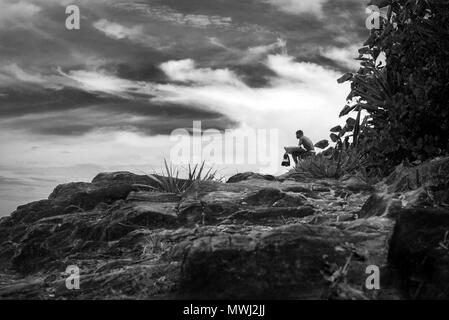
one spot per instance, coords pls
(306, 191)
(254, 238)
(355, 184)
(88, 195)
(290, 200)
(148, 214)
(421, 197)
(122, 177)
(153, 196)
(260, 214)
(34, 211)
(380, 205)
(431, 174)
(419, 251)
(248, 176)
(210, 202)
(264, 197)
(284, 263)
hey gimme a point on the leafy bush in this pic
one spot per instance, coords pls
(320, 166)
(406, 98)
(171, 182)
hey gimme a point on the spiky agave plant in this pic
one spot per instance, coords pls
(171, 182)
(320, 166)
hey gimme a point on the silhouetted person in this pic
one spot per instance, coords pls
(306, 145)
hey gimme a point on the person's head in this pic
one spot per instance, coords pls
(299, 134)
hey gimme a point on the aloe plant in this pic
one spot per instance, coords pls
(170, 180)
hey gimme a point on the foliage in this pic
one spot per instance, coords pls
(320, 166)
(171, 182)
(405, 98)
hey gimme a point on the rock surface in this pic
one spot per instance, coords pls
(253, 237)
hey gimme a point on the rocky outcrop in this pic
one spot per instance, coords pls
(283, 263)
(253, 237)
(419, 251)
(250, 175)
(430, 177)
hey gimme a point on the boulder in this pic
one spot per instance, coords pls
(122, 177)
(419, 198)
(431, 174)
(282, 263)
(380, 205)
(264, 197)
(355, 184)
(153, 196)
(303, 190)
(211, 202)
(87, 195)
(291, 200)
(249, 176)
(271, 215)
(34, 211)
(419, 251)
(81, 196)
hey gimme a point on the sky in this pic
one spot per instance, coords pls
(109, 95)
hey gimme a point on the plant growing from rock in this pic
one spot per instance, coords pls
(170, 181)
(321, 166)
(405, 96)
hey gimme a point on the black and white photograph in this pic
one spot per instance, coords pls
(224, 150)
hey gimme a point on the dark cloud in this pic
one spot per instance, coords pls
(20, 102)
(216, 34)
(74, 113)
(74, 126)
(255, 75)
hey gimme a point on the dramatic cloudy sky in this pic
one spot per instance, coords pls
(107, 96)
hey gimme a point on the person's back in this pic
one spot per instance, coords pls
(306, 143)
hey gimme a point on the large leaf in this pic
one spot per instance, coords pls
(345, 77)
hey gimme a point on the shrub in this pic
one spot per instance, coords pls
(406, 98)
(320, 166)
(170, 181)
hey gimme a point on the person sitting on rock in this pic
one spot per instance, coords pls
(307, 148)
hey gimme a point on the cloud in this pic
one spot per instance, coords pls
(119, 32)
(15, 14)
(74, 112)
(167, 14)
(343, 56)
(300, 95)
(299, 6)
(102, 82)
(258, 52)
(186, 71)
(19, 74)
(100, 120)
